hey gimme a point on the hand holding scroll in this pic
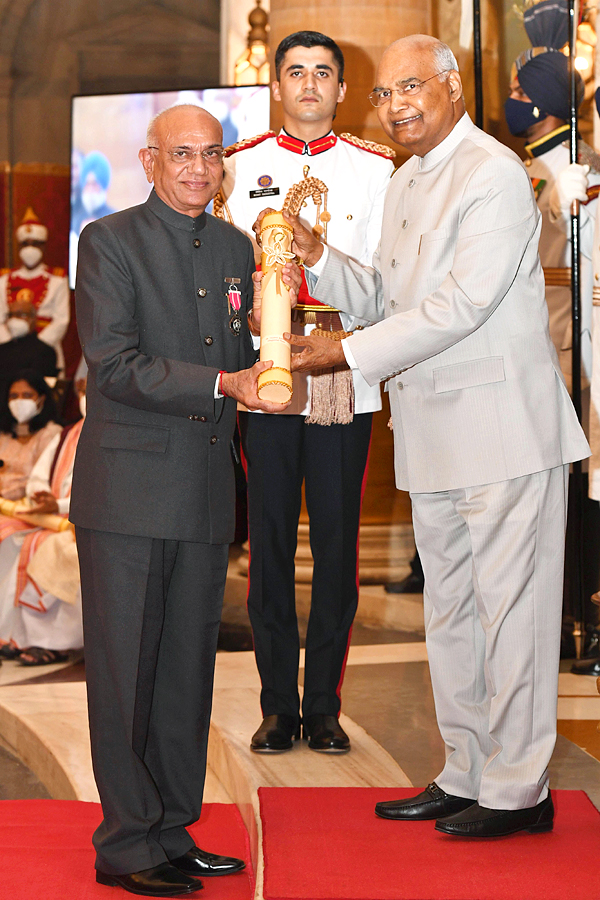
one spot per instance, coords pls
(318, 353)
(292, 277)
(305, 245)
(243, 387)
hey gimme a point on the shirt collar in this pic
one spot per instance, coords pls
(450, 143)
(547, 142)
(312, 148)
(172, 217)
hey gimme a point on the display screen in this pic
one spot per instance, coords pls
(108, 130)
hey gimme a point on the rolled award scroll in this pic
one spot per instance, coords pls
(275, 385)
(17, 509)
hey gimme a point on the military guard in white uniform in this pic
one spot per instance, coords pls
(576, 182)
(46, 289)
(282, 451)
(538, 109)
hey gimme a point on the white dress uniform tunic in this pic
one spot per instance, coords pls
(282, 451)
(548, 157)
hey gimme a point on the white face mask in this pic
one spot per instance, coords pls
(31, 256)
(93, 200)
(23, 410)
(82, 405)
(17, 327)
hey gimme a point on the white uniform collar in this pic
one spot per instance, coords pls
(24, 272)
(450, 143)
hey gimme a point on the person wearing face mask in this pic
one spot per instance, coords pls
(538, 108)
(40, 597)
(34, 283)
(575, 183)
(27, 425)
(25, 350)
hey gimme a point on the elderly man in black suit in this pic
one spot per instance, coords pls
(163, 295)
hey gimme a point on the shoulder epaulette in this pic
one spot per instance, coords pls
(369, 146)
(248, 142)
(58, 271)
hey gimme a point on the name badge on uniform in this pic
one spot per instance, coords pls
(265, 188)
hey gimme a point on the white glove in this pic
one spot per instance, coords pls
(571, 184)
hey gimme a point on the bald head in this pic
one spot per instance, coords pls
(176, 117)
(183, 158)
(419, 76)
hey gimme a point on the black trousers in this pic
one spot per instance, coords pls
(151, 611)
(281, 452)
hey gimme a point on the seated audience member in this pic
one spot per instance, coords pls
(40, 599)
(25, 350)
(46, 289)
(27, 425)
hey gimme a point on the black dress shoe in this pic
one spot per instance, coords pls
(325, 734)
(478, 821)
(275, 734)
(412, 584)
(199, 864)
(586, 667)
(431, 803)
(159, 881)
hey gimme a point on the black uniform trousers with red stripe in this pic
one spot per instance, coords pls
(280, 453)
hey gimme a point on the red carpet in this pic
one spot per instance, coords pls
(327, 844)
(46, 851)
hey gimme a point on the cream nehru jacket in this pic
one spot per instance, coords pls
(462, 337)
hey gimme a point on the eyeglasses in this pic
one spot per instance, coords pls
(381, 96)
(212, 155)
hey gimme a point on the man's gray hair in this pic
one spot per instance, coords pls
(444, 57)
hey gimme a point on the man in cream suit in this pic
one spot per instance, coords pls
(483, 428)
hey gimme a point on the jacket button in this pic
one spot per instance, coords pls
(201, 292)
(400, 385)
(405, 223)
(197, 243)
(412, 182)
(393, 264)
(213, 439)
(208, 340)
(392, 304)
(203, 418)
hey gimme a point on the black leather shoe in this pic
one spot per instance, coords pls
(431, 803)
(325, 734)
(480, 822)
(412, 584)
(275, 734)
(586, 667)
(199, 864)
(159, 881)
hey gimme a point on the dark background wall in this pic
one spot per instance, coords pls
(51, 49)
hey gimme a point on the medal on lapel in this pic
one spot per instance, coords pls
(234, 302)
